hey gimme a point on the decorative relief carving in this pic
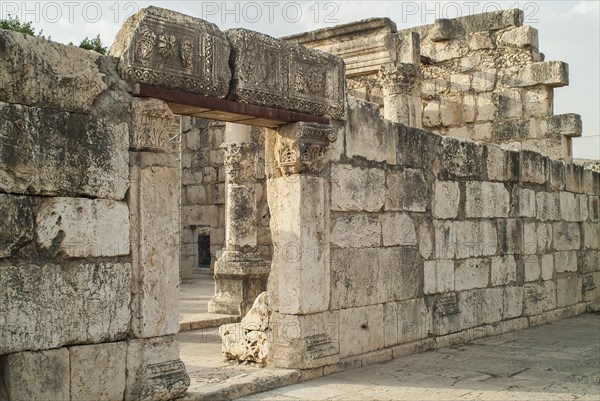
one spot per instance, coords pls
(164, 48)
(306, 151)
(240, 161)
(400, 78)
(154, 126)
(278, 74)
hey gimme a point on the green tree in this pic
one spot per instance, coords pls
(14, 24)
(93, 44)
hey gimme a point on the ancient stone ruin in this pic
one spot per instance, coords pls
(368, 192)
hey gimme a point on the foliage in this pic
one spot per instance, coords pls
(14, 24)
(94, 44)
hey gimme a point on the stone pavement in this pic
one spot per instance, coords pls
(559, 361)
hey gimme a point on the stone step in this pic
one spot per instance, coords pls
(197, 321)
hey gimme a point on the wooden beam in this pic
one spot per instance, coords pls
(192, 104)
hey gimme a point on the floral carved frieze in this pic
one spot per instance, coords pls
(240, 161)
(167, 49)
(303, 148)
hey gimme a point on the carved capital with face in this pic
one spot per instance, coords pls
(303, 148)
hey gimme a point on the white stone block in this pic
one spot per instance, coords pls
(484, 81)
(521, 36)
(368, 135)
(513, 302)
(98, 371)
(469, 108)
(451, 111)
(565, 261)
(531, 268)
(568, 290)
(486, 106)
(438, 276)
(413, 320)
(547, 262)
(566, 236)
(526, 202)
(446, 198)
(591, 235)
(483, 306)
(460, 82)
(356, 231)
(431, 114)
(84, 227)
(544, 237)
(463, 239)
(510, 104)
(472, 273)
(425, 240)
(504, 270)
(487, 199)
(569, 206)
(357, 189)
(397, 229)
(361, 330)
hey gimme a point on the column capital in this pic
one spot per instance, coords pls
(303, 147)
(399, 78)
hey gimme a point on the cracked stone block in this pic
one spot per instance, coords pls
(50, 152)
(274, 73)
(167, 49)
(82, 303)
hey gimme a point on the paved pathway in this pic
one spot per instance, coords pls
(560, 361)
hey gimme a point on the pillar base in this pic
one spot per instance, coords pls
(239, 278)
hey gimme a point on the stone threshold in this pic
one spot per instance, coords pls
(197, 321)
(271, 378)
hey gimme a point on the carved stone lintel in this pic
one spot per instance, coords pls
(303, 148)
(240, 162)
(400, 78)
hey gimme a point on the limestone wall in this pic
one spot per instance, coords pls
(203, 192)
(85, 302)
(482, 77)
(437, 240)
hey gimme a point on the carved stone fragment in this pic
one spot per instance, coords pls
(273, 73)
(172, 50)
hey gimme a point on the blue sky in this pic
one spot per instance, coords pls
(568, 31)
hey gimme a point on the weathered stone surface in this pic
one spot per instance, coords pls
(357, 189)
(568, 290)
(300, 273)
(82, 303)
(591, 235)
(461, 158)
(565, 261)
(407, 190)
(463, 239)
(562, 124)
(531, 268)
(438, 276)
(305, 341)
(155, 236)
(373, 275)
(361, 330)
(479, 307)
(550, 73)
(548, 206)
(426, 240)
(566, 236)
(446, 197)
(154, 370)
(513, 302)
(445, 316)
(357, 231)
(79, 227)
(42, 73)
(487, 199)
(471, 273)
(533, 168)
(523, 36)
(41, 375)
(547, 265)
(49, 152)
(503, 270)
(413, 320)
(273, 73)
(98, 371)
(538, 298)
(368, 135)
(397, 229)
(248, 340)
(16, 214)
(526, 199)
(167, 49)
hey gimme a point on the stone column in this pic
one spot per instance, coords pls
(304, 332)
(401, 93)
(154, 370)
(240, 273)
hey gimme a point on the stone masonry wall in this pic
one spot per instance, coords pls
(203, 191)
(484, 78)
(75, 301)
(437, 240)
